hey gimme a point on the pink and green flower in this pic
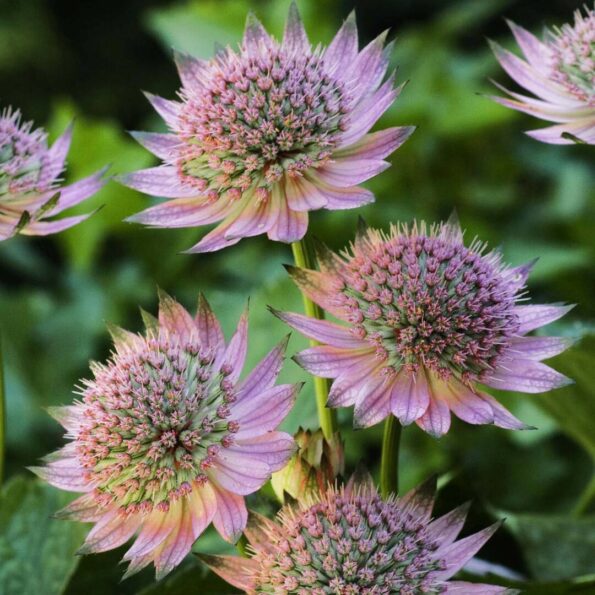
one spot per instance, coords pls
(30, 183)
(167, 439)
(560, 71)
(263, 135)
(349, 541)
(426, 322)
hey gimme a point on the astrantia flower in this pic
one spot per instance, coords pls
(265, 134)
(30, 188)
(166, 438)
(560, 71)
(351, 542)
(429, 319)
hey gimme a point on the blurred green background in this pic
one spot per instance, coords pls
(61, 60)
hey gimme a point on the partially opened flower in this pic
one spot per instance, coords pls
(316, 463)
(560, 71)
(349, 541)
(428, 320)
(262, 135)
(30, 190)
(167, 439)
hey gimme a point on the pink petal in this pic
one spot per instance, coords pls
(255, 35)
(445, 529)
(330, 362)
(302, 195)
(534, 316)
(525, 376)
(66, 474)
(342, 51)
(178, 543)
(162, 145)
(168, 110)
(57, 154)
(235, 354)
(539, 348)
(156, 527)
(274, 448)
(175, 318)
(377, 145)
(369, 68)
(77, 192)
(348, 388)
(69, 416)
(83, 509)
(286, 225)
(502, 417)
(319, 287)
(373, 404)
(436, 419)
(190, 69)
(44, 228)
(238, 473)
(465, 588)
(346, 172)
(265, 373)
(584, 130)
(458, 553)
(159, 181)
(410, 396)
(182, 212)
(340, 198)
(526, 76)
(209, 329)
(231, 516)
(238, 572)
(203, 504)
(321, 330)
(109, 535)
(537, 53)
(295, 38)
(255, 219)
(463, 402)
(265, 411)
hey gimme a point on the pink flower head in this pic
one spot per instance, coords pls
(166, 438)
(349, 541)
(262, 135)
(30, 188)
(560, 72)
(429, 319)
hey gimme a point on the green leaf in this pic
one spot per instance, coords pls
(555, 547)
(573, 407)
(37, 552)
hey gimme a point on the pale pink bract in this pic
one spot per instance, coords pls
(167, 439)
(560, 71)
(429, 320)
(349, 541)
(262, 135)
(30, 190)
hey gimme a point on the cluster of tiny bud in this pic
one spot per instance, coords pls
(24, 156)
(426, 299)
(255, 118)
(155, 418)
(348, 544)
(573, 56)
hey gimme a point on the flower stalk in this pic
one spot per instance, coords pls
(586, 498)
(2, 417)
(303, 255)
(389, 461)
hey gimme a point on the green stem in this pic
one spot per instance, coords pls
(389, 461)
(304, 258)
(586, 498)
(2, 417)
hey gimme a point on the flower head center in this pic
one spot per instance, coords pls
(428, 300)
(349, 544)
(573, 56)
(156, 417)
(255, 118)
(23, 156)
